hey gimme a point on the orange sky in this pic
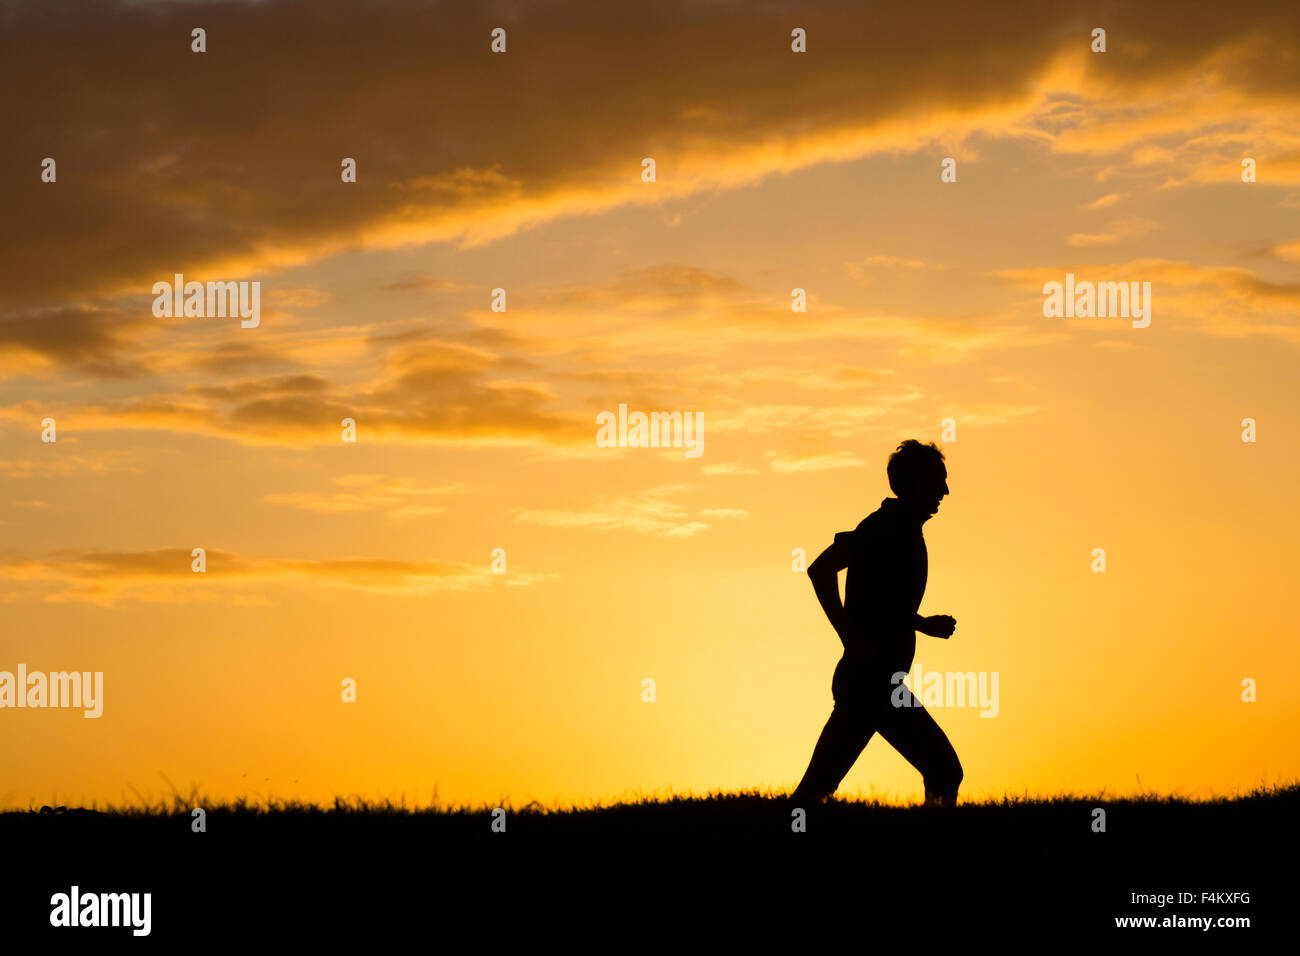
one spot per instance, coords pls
(476, 429)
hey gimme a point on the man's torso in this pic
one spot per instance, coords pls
(887, 573)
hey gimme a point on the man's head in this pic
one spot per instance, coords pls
(918, 476)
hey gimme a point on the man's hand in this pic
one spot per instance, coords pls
(938, 625)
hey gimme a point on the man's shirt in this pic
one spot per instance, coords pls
(887, 569)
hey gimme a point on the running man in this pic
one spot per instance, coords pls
(877, 623)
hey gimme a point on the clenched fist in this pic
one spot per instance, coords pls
(937, 625)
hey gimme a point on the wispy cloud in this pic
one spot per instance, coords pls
(649, 512)
(1212, 300)
(1122, 230)
(399, 498)
(166, 575)
(822, 461)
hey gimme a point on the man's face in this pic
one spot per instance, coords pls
(930, 490)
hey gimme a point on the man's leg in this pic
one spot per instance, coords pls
(914, 734)
(839, 745)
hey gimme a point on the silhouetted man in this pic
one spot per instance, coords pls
(877, 624)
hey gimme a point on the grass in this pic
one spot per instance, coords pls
(744, 803)
(1009, 861)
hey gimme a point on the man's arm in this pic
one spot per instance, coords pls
(825, 576)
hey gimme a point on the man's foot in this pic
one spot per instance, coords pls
(807, 799)
(940, 800)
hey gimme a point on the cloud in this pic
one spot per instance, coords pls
(724, 513)
(1122, 230)
(30, 503)
(1290, 251)
(298, 298)
(65, 466)
(165, 575)
(419, 282)
(1106, 201)
(98, 341)
(635, 338)
(647, 512)
(788, 464)
(653, 288)
(729, 468)
(658, 314)
(227, 164)
(399, 497)
(434, 392)
(1211, 300)
(864, 272)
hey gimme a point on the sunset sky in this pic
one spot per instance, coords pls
(522, 170)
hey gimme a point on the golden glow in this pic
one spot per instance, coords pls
(372, 561)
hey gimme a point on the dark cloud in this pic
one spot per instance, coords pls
(175, 161)
(438, 392)
(98, 341)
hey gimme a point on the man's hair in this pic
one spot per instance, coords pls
(911, 462)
